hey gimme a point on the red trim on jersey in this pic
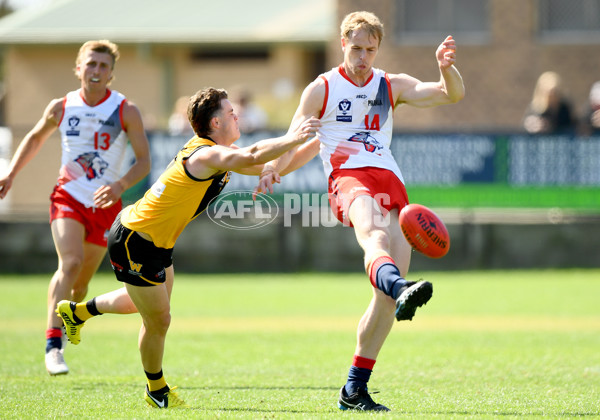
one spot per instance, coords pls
(108, 92)
(363, 362)
(375, 267)
(387, 79)
(345, 76)
(64, 103)
(325, 98)
(121, 105)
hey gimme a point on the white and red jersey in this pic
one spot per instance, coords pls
(93, 144)
(357, 122)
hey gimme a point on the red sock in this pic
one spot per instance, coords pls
(54, 333)
(375, 266)
(363, 362)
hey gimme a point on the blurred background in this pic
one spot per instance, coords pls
(513, 169)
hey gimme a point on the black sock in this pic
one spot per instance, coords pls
(357, 378)
(389, 280)
(91, 307)
(359, 374)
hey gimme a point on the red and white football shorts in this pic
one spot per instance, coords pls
(381, 184)
(97, 222)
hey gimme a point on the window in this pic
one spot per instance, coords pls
(227, 54)
(426, 21)
(569, 21)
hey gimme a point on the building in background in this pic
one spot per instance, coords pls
(275, 47)
(167, 51)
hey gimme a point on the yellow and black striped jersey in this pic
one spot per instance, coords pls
(175, 199)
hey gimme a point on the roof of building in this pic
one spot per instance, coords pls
(172, 21)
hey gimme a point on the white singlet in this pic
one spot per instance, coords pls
(357, 123)
(93, 144)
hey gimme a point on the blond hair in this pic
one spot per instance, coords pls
(100, 46)
(362, 20)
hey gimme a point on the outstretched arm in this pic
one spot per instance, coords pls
(303, 155)
(449, 89)
(31, 144)
(215, 159)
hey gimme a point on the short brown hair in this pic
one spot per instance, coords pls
(362, 20)
(202, 107)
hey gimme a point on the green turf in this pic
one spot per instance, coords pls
(503, 196)
(499, 344)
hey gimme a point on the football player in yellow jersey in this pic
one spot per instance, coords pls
(142, 237)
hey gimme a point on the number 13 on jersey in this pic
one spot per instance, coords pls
(101, 141)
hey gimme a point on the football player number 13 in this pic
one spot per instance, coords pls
(101, 141)
(373, 124)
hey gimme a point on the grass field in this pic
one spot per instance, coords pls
(498, 344)
(496, 195)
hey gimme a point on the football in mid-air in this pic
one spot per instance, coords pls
(424, 230)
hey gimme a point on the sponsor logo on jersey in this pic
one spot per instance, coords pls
(107, 122)
(73, 123)
(157, 189)
(93, 165)
(344, 111)
(371, 144)
(135, 267)
(375, 102)
(115, 266)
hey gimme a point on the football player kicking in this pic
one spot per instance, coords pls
(355, 103)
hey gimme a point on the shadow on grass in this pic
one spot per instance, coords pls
(498, 414)
(260, 388)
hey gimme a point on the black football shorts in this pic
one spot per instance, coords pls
(135, 260)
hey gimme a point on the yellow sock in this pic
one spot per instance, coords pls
(156, 381)
(86, 310)
(82, 312)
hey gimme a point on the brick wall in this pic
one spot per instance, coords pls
(499, 75)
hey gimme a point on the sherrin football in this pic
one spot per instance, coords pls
(424, 230)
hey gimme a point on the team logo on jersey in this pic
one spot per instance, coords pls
(92, 164)
(344, 111)
(73, 123)
(371, 144)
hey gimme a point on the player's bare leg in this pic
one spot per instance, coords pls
(375, 325)
(115, 302)
(68, 236)
(154, 307)
(374, 238)
(118, 301)
(93, 255)
(153, 304)
(373, 235)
